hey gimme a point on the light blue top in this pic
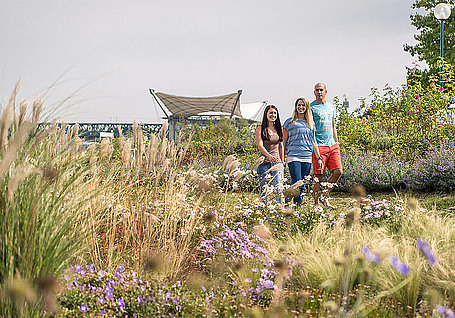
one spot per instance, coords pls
(300, 141)
(323, 114)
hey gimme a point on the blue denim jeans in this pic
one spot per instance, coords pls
(272, 179)
(299, 170)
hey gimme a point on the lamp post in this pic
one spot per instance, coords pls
(442, 13)
(346, 102)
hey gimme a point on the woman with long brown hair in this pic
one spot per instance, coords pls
(269, 139)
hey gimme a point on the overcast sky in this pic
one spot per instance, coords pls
(272, 50)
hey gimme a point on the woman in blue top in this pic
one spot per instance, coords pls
(299, 141)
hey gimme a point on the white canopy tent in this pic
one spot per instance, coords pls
(253, 111)
(190, 106)
(193, 108)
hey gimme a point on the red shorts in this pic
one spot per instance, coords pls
(331, 159)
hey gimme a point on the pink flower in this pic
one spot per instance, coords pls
(417, 96)
(409, 112)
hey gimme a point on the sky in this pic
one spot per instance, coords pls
(95, 61)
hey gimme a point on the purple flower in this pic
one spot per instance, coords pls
(168, 295)
(175, 300)
(101, 300)
(402, 268)
(102, 312)
(203, 288)
(425, 249)
(83, 308)
(268, 284)
(370, 255)
(121, 303)
(247, 280)
(445, 312)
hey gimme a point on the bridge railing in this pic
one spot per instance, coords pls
(90, 131)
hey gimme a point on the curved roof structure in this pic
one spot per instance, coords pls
(190, 106)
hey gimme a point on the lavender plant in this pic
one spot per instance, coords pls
(436, 170)
(374, 171)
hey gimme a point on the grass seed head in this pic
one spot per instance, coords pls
(262, 231)
(20, 291)
(50, 172)
(358, 192)
(413, 204)
(37, 110)
(227, 161)
(209, 217)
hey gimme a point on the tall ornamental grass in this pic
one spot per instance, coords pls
(335, 258)
(144, 216)
(43, 178)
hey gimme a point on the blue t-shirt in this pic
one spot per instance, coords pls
(300, 141)
(323, 114)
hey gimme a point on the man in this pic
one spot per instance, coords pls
(329, 148)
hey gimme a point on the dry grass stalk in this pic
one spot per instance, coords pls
(15, 144)
(121, 138)
(20, 173)
(278, 166)
(22, 112)
(5, 122)
(135, 130)
(75, 131)
(163, 130)
(233, 166)
(93, 159)
(151, 151)
(50, 130)
(183, 153)
(106, 149)
(258, 162)
(162, 153)
(37, 110)
(227, 161)
(77, 143)
(126, 154)
(61, 136)
(139, 147)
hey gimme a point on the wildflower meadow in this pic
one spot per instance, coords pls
(144, 226)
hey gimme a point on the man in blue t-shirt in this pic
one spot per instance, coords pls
(329, 148)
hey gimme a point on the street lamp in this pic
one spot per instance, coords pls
(442, 13)
(346, 101)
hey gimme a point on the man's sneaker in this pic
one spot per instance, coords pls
(325, 201)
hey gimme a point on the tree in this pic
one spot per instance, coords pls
(428, 28)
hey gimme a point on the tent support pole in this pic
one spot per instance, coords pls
(152, 91)
(236, 102)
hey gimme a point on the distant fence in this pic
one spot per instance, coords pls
(90, 131)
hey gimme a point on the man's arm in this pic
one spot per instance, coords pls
(334, 128)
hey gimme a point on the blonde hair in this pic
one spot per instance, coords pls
(308, 115)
